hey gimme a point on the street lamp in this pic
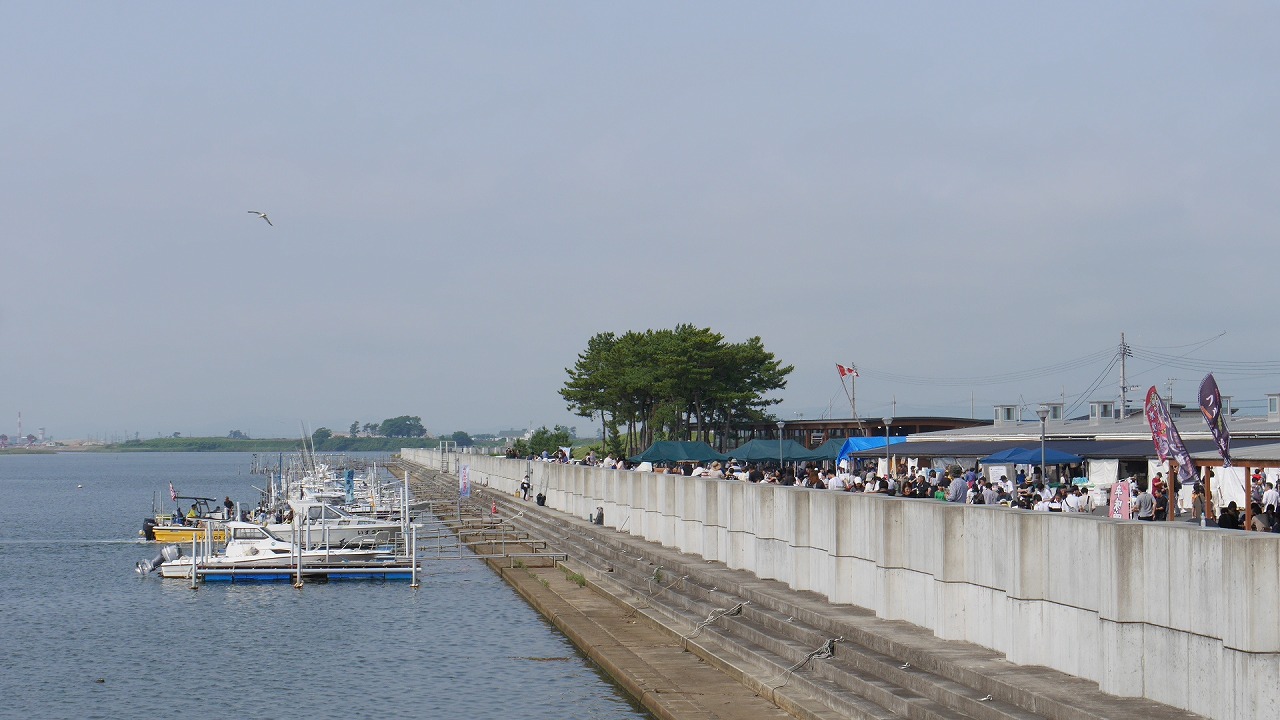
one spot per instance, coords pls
(780, 426)
(1043, 412)
(887, 469)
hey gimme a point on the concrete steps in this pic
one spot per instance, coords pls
(879, 668)
(853, 682)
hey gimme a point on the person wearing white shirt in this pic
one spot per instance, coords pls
(1071, 503)
(1271, 499)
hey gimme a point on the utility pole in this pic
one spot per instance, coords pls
(1124, 380)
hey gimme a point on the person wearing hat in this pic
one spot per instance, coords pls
(716, 472)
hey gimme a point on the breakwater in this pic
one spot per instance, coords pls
(1172, 613)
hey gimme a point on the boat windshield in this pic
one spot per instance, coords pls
(324, 512)
(249, 533)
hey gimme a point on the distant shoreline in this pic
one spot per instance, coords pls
(286, 445)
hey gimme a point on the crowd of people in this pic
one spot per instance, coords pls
(970, 487)
(1149, 501)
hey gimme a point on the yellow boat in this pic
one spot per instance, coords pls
(164, 531)
(172, 528)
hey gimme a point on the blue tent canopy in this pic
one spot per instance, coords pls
(858, 444)
(1031, 456)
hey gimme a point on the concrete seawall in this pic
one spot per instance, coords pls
(1176, 614)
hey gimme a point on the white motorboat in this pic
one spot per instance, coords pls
(322, 524)
(252, 546)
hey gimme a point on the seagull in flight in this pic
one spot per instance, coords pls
(262, 215)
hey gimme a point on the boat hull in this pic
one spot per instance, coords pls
(181, 568)
(182, 534)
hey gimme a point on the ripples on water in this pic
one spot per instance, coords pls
(72, 611)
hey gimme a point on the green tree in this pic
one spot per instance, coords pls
(401, 427)
(354, 429)
(592, 388)
(671, 384)
(549, 440)
(461, 438)
(371, 428)
(321, 436)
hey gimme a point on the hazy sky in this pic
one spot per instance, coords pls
(463, 193)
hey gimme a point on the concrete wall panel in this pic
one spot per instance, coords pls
(1180, 614)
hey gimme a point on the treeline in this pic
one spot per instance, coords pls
(332, 444)
(681, 384)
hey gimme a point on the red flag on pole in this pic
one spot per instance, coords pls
(173, 494)
(842, 370)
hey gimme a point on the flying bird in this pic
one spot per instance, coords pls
(262, 215)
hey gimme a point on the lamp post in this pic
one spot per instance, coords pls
(887, 469)
(780, 426)
(1043, 412)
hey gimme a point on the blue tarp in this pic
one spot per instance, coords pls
(1031, 456)
(858, 444)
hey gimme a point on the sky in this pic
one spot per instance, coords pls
(968, 201)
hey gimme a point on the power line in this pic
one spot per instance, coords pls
(1003, 378)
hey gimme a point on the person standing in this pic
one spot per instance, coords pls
(959, 490)
(230, 506)
(1144, 504)
(989, 494)
(525, 485)
(1162, 503)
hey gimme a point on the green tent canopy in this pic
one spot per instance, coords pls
(763, 450)
(829, 450)
(668, 451)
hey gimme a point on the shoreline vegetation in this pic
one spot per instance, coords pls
(222, 444)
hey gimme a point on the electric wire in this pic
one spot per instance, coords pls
(1002, 378)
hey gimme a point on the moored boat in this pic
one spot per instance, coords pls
(205, 515)
(252, 546)
(320, 523)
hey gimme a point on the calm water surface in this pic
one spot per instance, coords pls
(72, 611)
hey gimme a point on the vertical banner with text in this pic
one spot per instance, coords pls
(464, 481)
(1165, 436)
(1211, 408)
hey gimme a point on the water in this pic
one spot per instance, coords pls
(73, 612)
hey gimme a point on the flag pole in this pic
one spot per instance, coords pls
(1248, 498)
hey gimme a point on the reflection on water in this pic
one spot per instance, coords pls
(73, 613)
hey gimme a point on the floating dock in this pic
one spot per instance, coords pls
(396, 572)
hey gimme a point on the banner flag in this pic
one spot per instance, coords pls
(173, 494)
(464, 481)
(1119, 500)
(1165, 436)
(1211, 408)
(842, 371)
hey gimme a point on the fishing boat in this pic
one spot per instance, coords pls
(174, 528)
(320, 523)
(253, 547)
